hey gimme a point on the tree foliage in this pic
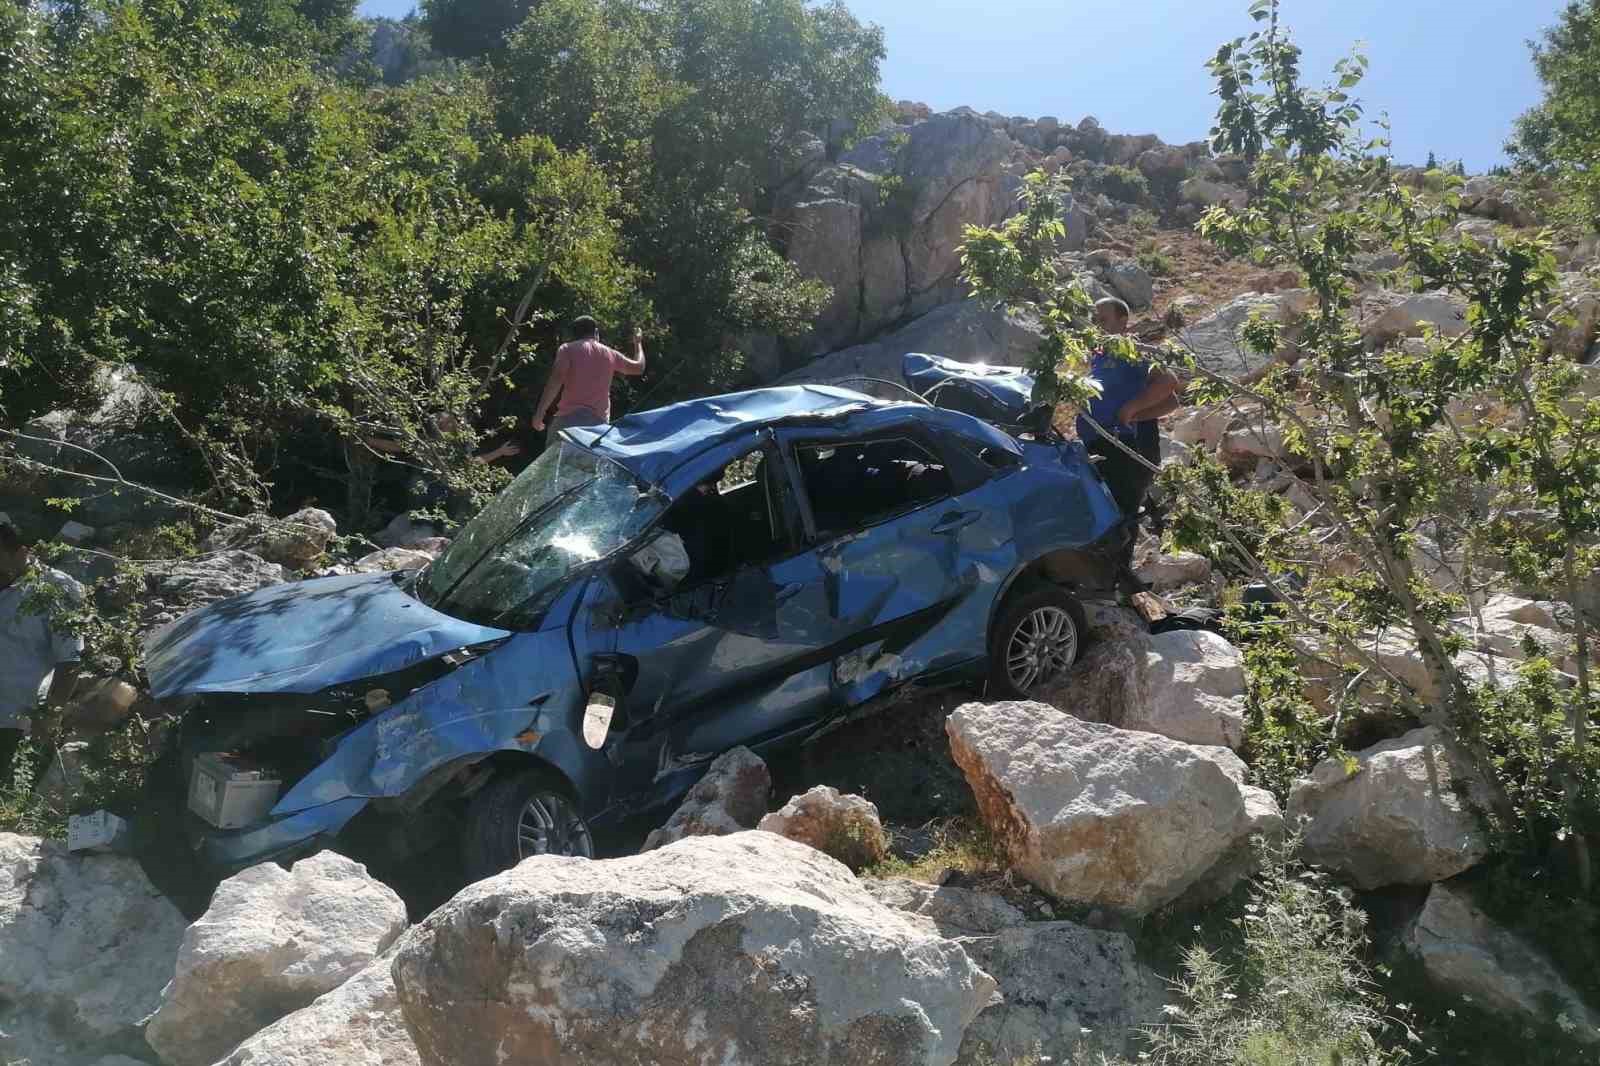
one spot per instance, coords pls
(1429, 469)
(292, 256)
(1561, 136)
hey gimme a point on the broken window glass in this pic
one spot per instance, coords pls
(568, 508)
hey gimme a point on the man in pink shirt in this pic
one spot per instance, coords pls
(582, 378)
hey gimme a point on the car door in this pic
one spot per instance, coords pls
(738, 652)
(891, 531)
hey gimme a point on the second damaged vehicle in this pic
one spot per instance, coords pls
(736, 570)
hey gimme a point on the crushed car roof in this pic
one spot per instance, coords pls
(651, 444)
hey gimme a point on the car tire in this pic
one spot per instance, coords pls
(1036, 638)
(518, 815)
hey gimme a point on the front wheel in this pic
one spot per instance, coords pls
(519, 815)
(1035, 640)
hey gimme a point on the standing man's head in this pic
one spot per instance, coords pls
(13, 553)
(1111, 315)
(584, 327)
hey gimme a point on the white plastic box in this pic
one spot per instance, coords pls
(229, 796)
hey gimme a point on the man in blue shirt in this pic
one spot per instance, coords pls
(1133, 396)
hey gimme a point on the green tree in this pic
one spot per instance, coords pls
(686, 102)
(472, 29)
(1561, 136)
(266, 244)
(1393, 474)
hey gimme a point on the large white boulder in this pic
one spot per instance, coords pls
(272, 941)
(357, 1024)
(731, 797)
(728, 949)
(1463, 949)
(1095, 814)
(838, 824)
(1394, 316)
(1215, 340)
(85, 945)
(1188, 685)
(1397, 820)
(1167, 571)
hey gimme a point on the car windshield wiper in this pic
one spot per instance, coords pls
(515, 531)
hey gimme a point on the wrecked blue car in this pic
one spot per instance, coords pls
(739, 570)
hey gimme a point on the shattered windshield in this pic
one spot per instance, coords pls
(567, 508)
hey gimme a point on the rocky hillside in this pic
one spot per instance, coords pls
(953, 881)
(882, 222)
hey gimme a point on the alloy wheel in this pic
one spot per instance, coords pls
(550, 825)
(1044, 644)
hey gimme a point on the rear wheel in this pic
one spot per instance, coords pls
(519, 815)
(1035, 640)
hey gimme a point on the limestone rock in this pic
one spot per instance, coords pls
(825, 243)
(1065, 988)
(841, 825)
(1215, 342)
(968, 330)
(1405, 316)
(1203, 427)
(1170, 571)
(292, 542)
(1096, 814)
(357, 1024)
(85, 945)
(1132, 283)
(743, 948)
(1397, 820)
(392, 559)
(1203, 192)
(1580, 313)
(731, 797)
(1265, 826)
(1462, 949)
(1187, 685)
(176, 587)
(947, 910)
(270, 943)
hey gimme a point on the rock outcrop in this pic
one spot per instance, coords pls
(1095, 814)
(357, 1024)
(736, 948)
(271, 942)
(1187, 685)
(85, 945)
(1462, 949)
(731, 797)
(293, 542)
(1215, 339)
(1398, 819)
(174, 588)
(841, 825)
(1066, 989)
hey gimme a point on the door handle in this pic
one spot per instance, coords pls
(789, 591)
(957, 520)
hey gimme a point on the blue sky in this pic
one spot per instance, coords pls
(1451, 74)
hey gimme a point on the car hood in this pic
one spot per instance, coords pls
(302, 637)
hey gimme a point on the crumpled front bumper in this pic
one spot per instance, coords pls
(227, 851)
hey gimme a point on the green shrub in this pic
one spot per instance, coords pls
(1124, 183)
(1299, 992)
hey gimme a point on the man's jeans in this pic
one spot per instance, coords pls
(581, 416)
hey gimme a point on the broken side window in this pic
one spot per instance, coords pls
(864, 482)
